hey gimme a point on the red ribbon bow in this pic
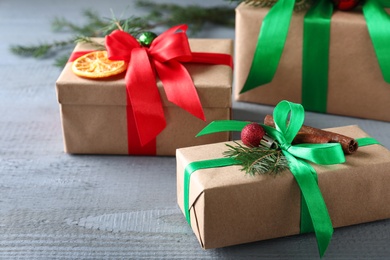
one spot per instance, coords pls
(164, 57)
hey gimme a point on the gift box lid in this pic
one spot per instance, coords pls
(213, 82)
(263, 207)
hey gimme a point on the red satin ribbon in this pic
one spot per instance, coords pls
(165, 54)
(164, 57)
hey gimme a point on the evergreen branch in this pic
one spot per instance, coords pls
(94, 19)
(88, 40)
(92, 28)
(258, 160)
(61, 61)
(194, 15)
(40, 50)
(132, 25)
(159, 15)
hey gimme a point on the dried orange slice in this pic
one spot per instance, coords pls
(97, 65)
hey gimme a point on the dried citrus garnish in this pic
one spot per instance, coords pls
(97, 65)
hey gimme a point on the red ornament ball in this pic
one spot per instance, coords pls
(345, 5)
(251, 134)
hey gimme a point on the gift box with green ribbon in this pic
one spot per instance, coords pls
(323, 188)
(169, 92)
(328, 60)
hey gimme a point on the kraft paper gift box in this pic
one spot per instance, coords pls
(93, 112)
(356, 86)
(228, 207)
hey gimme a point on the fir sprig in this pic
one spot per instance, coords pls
(194, 15)
(258, 160)
(91, 28)
(165, 15)
(84, 39)
(40, 50)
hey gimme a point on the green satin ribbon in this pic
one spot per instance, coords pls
(224, 162)
(223, 126)
(378, 23)
(198, 165)
(314, 213)
(272, 38)
(315, 59)
(270, 44)
(364, 141)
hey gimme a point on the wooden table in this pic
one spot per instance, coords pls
(55, 205)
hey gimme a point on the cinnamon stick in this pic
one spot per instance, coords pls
(315, 135)
(302, 137)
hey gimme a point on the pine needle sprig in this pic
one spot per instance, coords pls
(90, 41)
(92, 27)
(132, 25)
(61, 60)
(258, 160)
(40, 50)
(195, 16)
(159, 15)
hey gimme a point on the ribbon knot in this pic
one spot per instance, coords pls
(285, 146)
(289, 118)
(286, 130)
(163, 59)
(314, 213)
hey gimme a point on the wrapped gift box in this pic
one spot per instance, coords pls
(356, 85)
(93, 112)
(228, 207)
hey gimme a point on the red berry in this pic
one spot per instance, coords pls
(345, 5)
(251, 134)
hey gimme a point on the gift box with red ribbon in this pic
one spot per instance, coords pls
(330, 61)
(170, 90)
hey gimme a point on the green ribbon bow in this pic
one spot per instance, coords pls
(316, 39)
(314, 213)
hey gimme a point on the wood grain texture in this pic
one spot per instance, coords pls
(57, 206)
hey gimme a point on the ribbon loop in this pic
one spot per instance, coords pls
(289, 128)
(289, 118)
(172, 44)
(164, 58)
(286, 130)
(120, 44)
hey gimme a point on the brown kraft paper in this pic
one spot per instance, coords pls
(356, 86)
(228, 207)
(93, 112)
